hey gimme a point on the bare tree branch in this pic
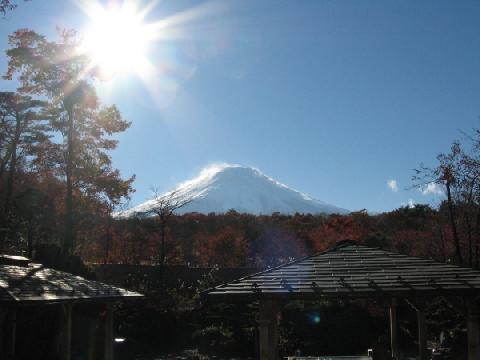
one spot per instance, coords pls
(165, 205)
(8, 5)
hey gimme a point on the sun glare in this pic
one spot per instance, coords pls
(116, 38)
(120, 41)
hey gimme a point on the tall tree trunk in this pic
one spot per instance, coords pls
(163, 225)
(442, 243)
(470, 239)
(10, 180)
(469, 224)
(162, 241)
(30, 239)
(13, 165)
(69, 241)
(108, 238)
(477, 235)
(451, 212)
(5, 160)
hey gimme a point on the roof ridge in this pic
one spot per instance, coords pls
(266, 271)
(344, 243)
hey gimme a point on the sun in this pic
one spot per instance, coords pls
(116, 38)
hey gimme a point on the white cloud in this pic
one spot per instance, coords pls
(432, 188)
(410, 203)
(393, 185)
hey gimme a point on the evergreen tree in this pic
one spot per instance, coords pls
(24, 131)
(57, 72)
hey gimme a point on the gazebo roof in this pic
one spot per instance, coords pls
(34, 283)
(352, 270)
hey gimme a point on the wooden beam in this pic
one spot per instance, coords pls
(393, 329)
(268, 330)
(65, 332)
(416, 304)
(473, 328)
(108, 339)
(422, 335)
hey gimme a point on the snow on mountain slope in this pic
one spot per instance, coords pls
(220, 188)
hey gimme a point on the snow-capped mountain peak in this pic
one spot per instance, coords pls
(222, 187)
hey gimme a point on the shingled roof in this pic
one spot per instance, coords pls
(35, 283)
(352, 270)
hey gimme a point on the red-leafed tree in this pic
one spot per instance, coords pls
(227, 248)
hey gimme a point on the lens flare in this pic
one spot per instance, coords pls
(314, 318)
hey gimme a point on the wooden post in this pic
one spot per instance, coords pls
(108, 340)
(91, 337)
(473, 328)
(268, 330)
(419, 306)
(393, 329)
(65, 333)
(2, 328)
(12, 333)
(422, 335)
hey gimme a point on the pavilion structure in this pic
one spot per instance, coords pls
(350, 271)
(28, 290)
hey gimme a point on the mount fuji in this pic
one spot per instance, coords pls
(220, 188)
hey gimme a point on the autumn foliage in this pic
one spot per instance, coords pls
(244, 240)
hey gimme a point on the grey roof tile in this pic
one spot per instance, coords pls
(354, 270)
(33, 283)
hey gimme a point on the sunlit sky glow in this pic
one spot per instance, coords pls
(116, 37)
(338, 99)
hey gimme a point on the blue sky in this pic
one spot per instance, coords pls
(333, 98)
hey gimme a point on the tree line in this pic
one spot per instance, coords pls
(243, 240)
